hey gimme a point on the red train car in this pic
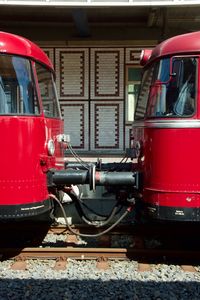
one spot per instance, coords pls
(30, 128)
(34, 177)
(166, 129)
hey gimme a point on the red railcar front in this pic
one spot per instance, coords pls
(167, 130)
(30, 128)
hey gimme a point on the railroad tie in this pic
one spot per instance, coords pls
(144, 267)
(19, 264)
(188, 268)
(102, 263)
(60, 264)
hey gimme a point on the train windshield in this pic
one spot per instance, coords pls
(17, 89)
(168, 91)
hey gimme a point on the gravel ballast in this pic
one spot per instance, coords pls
(82, 280)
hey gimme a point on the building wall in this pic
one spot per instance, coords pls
(91, 84)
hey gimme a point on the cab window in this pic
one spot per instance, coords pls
(142, 100)
(48, 92)
(17, 87)
(172, 93)
(133, 79)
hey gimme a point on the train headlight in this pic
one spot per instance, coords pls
(51, 147)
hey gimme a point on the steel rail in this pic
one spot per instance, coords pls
(65, 252)
(94, 253)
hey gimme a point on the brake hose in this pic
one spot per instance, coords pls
(128, 210)
(96, 223)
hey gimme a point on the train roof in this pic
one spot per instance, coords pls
(180, 44)
(14, 44)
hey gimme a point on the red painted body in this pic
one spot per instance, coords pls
(14, 44)
(24, 154)
(22, 177)
(169, 147)
(188, 43)
(172, 164)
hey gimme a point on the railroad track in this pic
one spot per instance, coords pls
(136, 250)
(93, 253)
(101, 255)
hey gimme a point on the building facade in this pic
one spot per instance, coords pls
(97, 89)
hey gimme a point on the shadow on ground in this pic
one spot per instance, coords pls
(65, 289)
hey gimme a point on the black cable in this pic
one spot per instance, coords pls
(94, 212)
(77, 157)
(102, 223)
(96, 223)
(129, 209)
(98, 214)
(119, 165)
(86, 166)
